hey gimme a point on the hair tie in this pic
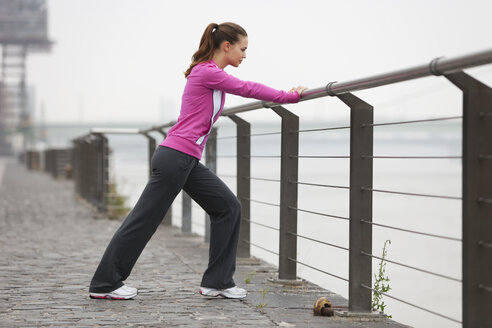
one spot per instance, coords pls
(216, 26)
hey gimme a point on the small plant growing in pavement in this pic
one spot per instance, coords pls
(381, 283)
(117, 203)
(250, 275)
(262, 304)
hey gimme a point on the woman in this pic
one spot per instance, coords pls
(176, 167)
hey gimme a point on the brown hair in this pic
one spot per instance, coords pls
(212, 38)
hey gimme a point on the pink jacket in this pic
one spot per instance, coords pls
(203, 100)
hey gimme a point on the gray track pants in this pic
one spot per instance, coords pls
(172, 171)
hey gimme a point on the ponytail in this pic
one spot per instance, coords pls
(212, 38)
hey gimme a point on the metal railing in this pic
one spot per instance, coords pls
(476, 180)
(91, 164)
(477, 183)
(55, 161)
(58, 162)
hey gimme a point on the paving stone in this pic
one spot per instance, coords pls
(51, 244)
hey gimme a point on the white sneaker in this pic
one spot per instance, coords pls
(233, 292)
(122, 293)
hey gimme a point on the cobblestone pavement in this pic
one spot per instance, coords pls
(51, 244)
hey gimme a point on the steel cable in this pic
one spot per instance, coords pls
(415, 121)
(322, 214)
(226, 137)
(262, 156)
(410, 194)
(318, 156)
(262, 179)
(263, 248)
(261, 224)
(318, 185)
(228, 176)
(411, 231)
(413, 157)
(307, 265)
(261, 134)
(486, 288)
(318, 241)
(415, 306)
(322, 129)
(260, 202)
(411, 267)
(488, 245)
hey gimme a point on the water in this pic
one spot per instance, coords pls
(431, 215)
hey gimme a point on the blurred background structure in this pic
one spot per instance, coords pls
(23, 30)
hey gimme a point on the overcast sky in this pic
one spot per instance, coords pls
(123, 60)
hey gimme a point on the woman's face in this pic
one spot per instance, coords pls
(237, 51)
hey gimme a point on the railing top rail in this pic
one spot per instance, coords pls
(109, 130)
(115, 130)
(158, 127)
(106, 130)
(437, 66)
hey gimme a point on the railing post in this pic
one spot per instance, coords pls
(102, 172)
(361, 175)
(77, 164)
(186, 218)
(211, 162)
(186, 213)
(243, 172)
(477, 200)
(87, 174)
(151, 148)
(53, 162)
(88, 171)
(105, 173)
(287, 267)
(168, 218)
(81, 158)
(47, 160)
(93, 185)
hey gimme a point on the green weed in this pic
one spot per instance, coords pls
(250, 275)
(262, 304)
(381, 283)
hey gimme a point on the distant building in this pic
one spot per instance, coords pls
(23, 29)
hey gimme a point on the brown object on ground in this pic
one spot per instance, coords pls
(323, 307)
